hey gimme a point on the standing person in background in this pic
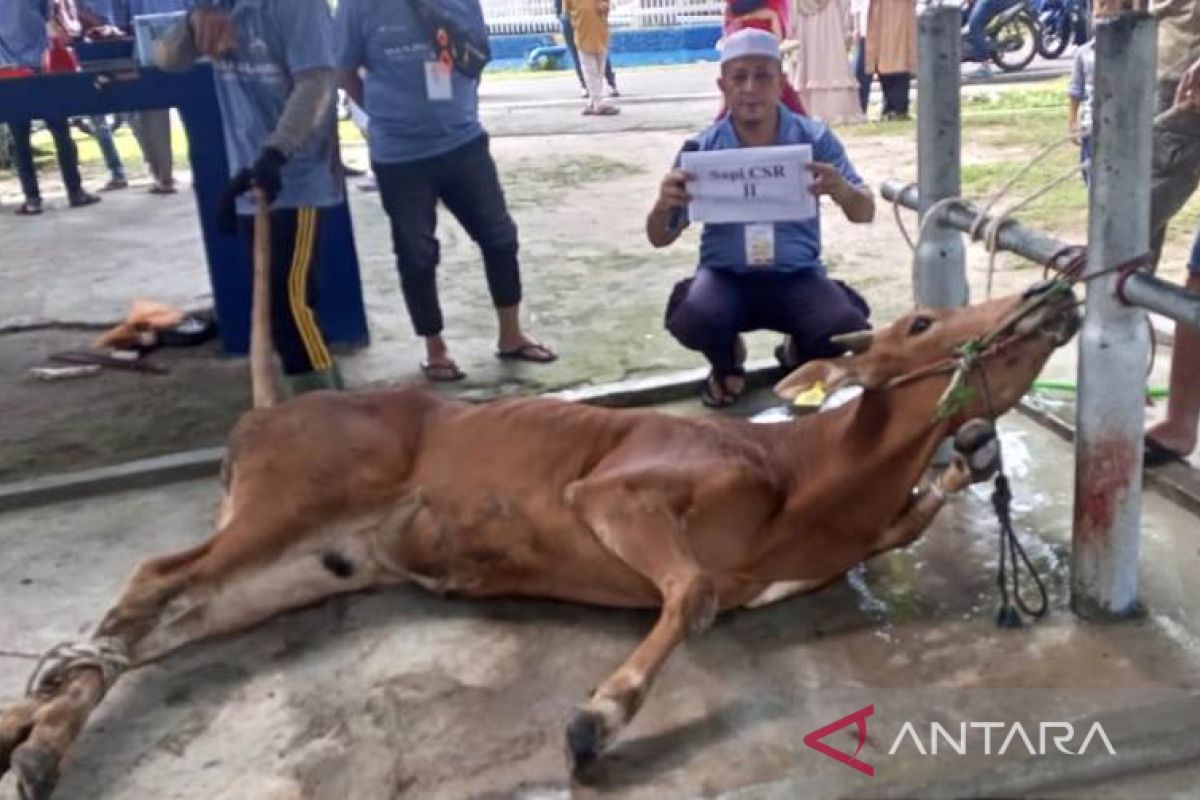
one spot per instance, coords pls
(568, 32)
(276, 84)
(98, 24)
(891, 52)
(859, 11)
(100, 130)
(589, 19)
(1080, 92)
(153, 128)
(427, 145)
(820, 69)
(23, 40)
(1174, 176)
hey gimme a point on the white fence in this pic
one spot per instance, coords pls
(537, 16)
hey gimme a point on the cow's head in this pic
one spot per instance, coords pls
(1009, 340)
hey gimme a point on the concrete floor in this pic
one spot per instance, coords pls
(400, 694)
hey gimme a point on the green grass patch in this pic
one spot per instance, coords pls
(530, 180)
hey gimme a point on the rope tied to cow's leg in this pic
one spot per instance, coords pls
(106, 654)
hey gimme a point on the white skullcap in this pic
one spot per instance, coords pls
(750, 42)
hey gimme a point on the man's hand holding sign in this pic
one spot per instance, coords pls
(753, 179)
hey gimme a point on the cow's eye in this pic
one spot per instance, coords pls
(920, 325)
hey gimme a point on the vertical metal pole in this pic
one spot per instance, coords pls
(1114, 344)
(940, 278)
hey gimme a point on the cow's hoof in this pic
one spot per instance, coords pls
(16, 724)
(586, 737)
(36, 771)
(976, 442)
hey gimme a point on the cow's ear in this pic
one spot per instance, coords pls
(833, 373)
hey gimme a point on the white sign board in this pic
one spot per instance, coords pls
(750, 184)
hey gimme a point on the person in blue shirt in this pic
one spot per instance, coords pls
(273, 66)
(23, 39)
(426, 145)
(765, 276)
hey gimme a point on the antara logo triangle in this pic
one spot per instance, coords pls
(859, 718)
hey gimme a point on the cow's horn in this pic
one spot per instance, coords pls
(857, 342)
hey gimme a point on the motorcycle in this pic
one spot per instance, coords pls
(1013, 35)
(1062, 21)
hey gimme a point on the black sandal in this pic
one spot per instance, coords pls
(442, 371)
(1155, 454)
(726, 397)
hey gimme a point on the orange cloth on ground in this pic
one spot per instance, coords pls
(144, 315)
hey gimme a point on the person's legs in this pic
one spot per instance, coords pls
(895, 95)
(810, 308)
(860, 74)
(153, 132)
(295, 268)
(568, 33)
(706, 314)
(22, 156)
(409, 195)
(68, 162)
(1178, 431)
(1175, 166)
(610, 76)
(470, 187)
(1085, 158)
(977, 46)
(593, 78)
(108, 148)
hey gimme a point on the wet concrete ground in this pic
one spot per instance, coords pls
(400, 694)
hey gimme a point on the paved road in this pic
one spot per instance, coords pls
(689, 81)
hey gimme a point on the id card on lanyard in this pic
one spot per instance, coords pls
(438, 73)
(760, 244)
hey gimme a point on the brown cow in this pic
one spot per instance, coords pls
(542, 498)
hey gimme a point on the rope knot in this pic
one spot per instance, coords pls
(108, 655)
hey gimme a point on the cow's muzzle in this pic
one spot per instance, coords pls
(1055, 318)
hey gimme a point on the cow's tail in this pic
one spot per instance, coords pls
(263, 386)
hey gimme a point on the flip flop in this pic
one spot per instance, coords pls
(1159, 455)
(709, 397)
(157, 189)
(30, 208)
(442, 373)
(532, 352)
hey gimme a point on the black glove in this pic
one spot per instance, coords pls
(265, 175)
(266, 172)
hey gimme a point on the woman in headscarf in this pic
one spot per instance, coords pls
(820, 68)
(891, 52)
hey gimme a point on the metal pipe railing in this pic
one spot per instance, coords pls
(1141, 289)
(940, 273)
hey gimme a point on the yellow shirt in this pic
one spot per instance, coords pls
(1178, 36)
(589, 18)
